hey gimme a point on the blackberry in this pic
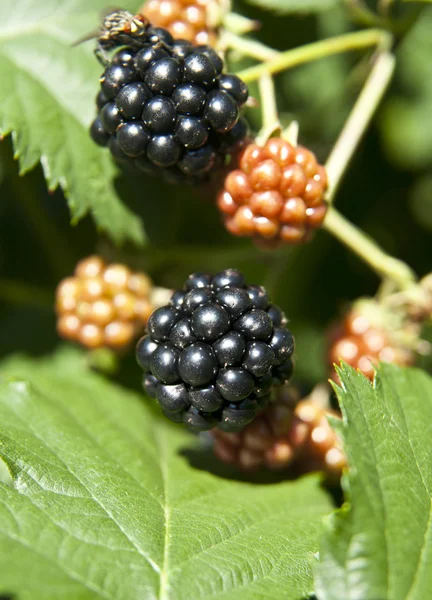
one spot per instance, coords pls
(276, 195)
(165, 108)
(215, 355)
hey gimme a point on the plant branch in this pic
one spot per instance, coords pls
(359, 120)
(248, 47)
(384, 265)
(270, 117)
(378, 38)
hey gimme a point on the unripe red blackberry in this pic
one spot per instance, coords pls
(103, 305)
(212, 356)
(276, 196)
(166, 108)
(188, 20)
(362, 344)
(286, 434)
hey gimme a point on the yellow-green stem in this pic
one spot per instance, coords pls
(353, 238)
(270, 117)
(358, 121)
(381, 39)
(248, 47)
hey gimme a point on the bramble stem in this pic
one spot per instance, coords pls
(19, 293)
(381, 39)
(358, 121)
(353, 238)
(270, 117)
(248, 47)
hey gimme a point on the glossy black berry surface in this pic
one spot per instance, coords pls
(131, 100)
(133, 138)
(221, 111)
(110, 117)
(159, 114)
(163, 150)
(199, 68)
(99, 133)
(210, 357)
(178, 113)
(163, 76)
(191, 132)
(189, 99)
(234, 86)
(114, 78)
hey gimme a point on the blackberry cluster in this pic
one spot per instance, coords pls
(362, 345)
(213, 354)
(276, 195)
(291, 433)
(184, 19)
(167, 109)
(103, 305)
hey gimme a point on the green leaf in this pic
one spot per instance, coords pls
(47, 103)
(105, 502)
(286, 7)
(379, 547)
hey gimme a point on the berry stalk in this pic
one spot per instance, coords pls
(248, 47)
(270, 116)
(358, 121)
(384, 265)
(359, 40)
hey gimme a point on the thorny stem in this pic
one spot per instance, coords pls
(381, 39)
(384, 265)
(270, 117)
(358, 121)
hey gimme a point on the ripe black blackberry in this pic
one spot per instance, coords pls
(213, 354)
(166, 108)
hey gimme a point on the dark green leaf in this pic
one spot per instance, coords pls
(106, 504)
(47, 103)
(379, 546)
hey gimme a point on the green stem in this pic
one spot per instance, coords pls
(381, 39)
(270, 117)
(16, 292)
(248, 47)
(358, 121)
(353, 238)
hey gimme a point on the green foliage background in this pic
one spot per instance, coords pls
(387, 192)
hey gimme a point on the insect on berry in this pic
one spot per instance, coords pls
(118, 28)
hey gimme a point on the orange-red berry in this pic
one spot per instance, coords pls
(276, 195)
(288, 433)
(358, 343)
